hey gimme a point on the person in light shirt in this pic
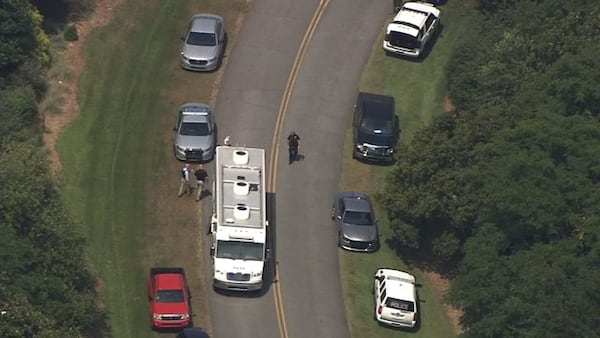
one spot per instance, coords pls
(184, 186)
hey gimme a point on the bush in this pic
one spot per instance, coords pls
(70, 33)
(18, 109)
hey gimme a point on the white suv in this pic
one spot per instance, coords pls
(411, 29)
(395, 298)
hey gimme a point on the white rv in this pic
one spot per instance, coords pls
(239, 221)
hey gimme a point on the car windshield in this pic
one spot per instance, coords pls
(381, 125)
(358, 218)
(400, 304)
(404, 40)
(202, 39)
(169, 296)
(194, 129)
(240, 250)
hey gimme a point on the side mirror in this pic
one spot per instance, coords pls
(338, 217)
(174, 128)
(212, 250)
(182, 38)
(269, 254)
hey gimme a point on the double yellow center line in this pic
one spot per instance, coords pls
(272, 182)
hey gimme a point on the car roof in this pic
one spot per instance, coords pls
(399, 284)
(194, 108)
(416, 13)
(195, 112)
(356, 204)
(168, 281)
(411, 17)
(205, 23)
(375, 104)
(199, 118)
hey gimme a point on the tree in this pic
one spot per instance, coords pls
(18, 33)
(37, 235)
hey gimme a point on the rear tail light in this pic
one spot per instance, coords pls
(387, 37)
(379, 309)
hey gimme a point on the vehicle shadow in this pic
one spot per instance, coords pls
(376, 163)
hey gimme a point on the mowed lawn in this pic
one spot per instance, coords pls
(419, 89)
(119, 176)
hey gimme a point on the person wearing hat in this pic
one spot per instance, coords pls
(184, 186)
(201, 179)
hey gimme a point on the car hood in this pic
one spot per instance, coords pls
(200, 52)
(194, 142)
(170, 308)
(364, 233)
(381, 140)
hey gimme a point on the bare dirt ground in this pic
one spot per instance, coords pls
(442, 284)
(67, 84)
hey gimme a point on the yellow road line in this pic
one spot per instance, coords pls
(275, 144)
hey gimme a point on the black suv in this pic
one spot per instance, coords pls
(376, 128)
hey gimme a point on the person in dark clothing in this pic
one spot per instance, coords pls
(293, 145)
(201, 179)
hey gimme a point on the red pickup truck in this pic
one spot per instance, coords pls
(169, 297)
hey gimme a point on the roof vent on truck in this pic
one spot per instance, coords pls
(241, 212)
(240, 157)
(241, 188)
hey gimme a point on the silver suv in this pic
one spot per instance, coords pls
(204, 43)
(195, 133)
(355, 220)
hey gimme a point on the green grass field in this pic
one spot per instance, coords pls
(105, 152)
(419, 89)
(119, 176)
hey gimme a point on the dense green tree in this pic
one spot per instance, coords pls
(21, 35)
(548, 291)
(18, 109)
(510, 183)
(37, 235)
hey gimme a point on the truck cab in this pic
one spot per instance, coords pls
(169, 297)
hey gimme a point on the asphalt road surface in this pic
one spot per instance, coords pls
(319, 110)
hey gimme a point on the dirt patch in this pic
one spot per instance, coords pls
(67, 84)
(448, 106)
(442, 285)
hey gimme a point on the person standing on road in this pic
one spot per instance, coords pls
(184, 186)
(201, 178)
(293, 145)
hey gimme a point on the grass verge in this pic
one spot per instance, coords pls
(420, 89)
(120, 178)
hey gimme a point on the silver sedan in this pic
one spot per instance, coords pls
(204, 43)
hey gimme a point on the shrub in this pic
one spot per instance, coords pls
(18, 109)
(70, 33)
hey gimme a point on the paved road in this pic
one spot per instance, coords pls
(320, 110)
